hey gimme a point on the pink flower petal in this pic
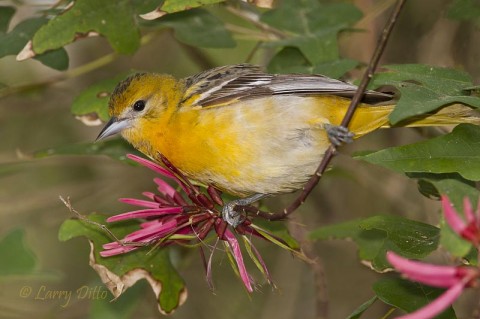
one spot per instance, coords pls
(467, 209)
(439, 304)
(237, 254)
(477, 214)
(152, 232)
(164, 187)
(116, 250)
(139, 202)
(451, 216)
(159, 169)
(149, 195)
(145, 213)
(151, 165)
(155, 221)
(433, 275)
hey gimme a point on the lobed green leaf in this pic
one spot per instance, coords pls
(311, 26)
(456, 188)
(13, 42)
(171, 6)
(291, 60)
(458, 151)
(95, 98)
(199, 28)
(156, 263)
(112, 19)
(409, 296)
(378, 234)
(425, 89)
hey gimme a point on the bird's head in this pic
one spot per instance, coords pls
(141, 96)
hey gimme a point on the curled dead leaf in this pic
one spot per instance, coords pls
(152, 15)
(80, 35)
(268, 4)
(369, 264)
(26, 53)
(118, 284)
(90, 119)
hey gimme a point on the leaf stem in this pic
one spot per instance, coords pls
(389, 312)
(254, 18)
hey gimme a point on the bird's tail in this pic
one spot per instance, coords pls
(369, 118)
(450, 115)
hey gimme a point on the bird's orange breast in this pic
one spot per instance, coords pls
(269, 145)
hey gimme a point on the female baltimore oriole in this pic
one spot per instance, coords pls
(244, 131)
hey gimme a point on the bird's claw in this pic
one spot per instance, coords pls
(338, 134)
(231, 216)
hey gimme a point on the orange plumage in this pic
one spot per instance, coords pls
(242, 130)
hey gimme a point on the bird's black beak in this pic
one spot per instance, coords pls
(113, 127)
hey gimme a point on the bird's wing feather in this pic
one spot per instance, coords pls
(224, 85)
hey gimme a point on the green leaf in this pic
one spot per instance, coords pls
(6, 14)
(114, 148)
(424, 89)
(462, 10)
(154, 265)
(378, 234)
(14, 41)
(363, 307)
(56, 59)
(17, 257)
(312, 26)
(458, 151)
(409, 296)
(456, 188)
(95, 98)
(112, 19)
(279, 230)
(200, 28)
(291, 60)
(142, 6)
(335, 69)
(171, 6)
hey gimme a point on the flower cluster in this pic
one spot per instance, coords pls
(454, 278)
(187, 216)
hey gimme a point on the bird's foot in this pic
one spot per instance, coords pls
(338, 135)
(233, 217)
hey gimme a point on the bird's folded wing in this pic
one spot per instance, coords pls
(225, 85)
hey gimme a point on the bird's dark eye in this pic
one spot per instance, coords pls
(139, 106)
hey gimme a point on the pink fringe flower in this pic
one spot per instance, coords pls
(454, 278)
(187, 216)
(469, 230)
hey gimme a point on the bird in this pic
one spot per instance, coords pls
(247, 132)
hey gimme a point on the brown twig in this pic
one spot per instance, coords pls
(310, 185)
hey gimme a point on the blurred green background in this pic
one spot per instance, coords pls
(40, 118)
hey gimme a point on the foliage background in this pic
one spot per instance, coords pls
(40, 118)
